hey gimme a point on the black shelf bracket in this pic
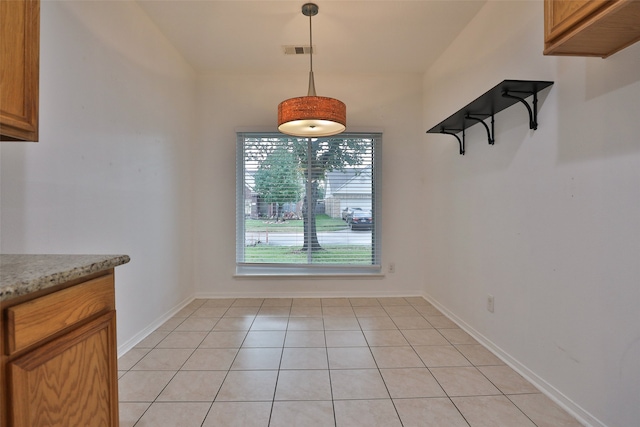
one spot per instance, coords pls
(490, 133)
(533, 113)
(460, 142)
(498, 98)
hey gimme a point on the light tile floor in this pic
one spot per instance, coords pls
(341, 362)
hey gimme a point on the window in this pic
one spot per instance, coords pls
(308, 205)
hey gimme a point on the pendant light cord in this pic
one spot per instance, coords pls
(310, 44)
(312, 84)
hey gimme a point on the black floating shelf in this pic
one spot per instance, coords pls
(502, 96)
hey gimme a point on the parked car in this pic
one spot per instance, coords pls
(347, 212)
(362, 220)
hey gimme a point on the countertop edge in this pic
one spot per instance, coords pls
(23, 274)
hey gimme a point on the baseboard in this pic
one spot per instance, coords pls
(319, 294)
(125, 347)
(547, 389)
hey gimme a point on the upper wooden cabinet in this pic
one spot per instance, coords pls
(19, 69)
(590, 27)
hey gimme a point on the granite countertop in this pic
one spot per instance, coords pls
(23, 274)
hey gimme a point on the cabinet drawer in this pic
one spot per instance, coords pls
(36, 320)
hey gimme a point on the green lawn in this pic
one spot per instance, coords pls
(329, 254)
(342, 254)
(323, 223)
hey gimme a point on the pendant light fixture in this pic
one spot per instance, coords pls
(311, 115)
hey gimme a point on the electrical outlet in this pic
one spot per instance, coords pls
(392, 267)
(490, 303)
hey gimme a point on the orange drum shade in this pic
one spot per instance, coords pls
(312, 116)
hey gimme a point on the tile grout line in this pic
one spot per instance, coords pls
(172, 377)
(333, 405)
(430, 372)
(436, 379)
(275, 388)
(476, 368)
(395, 408)
(198, 346)
(227, 371)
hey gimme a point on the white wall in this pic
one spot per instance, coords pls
(390, 102)
(546, 221)
(111, 173)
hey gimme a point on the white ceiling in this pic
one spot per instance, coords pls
(349, 36)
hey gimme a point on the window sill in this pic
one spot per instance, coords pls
(305, 270)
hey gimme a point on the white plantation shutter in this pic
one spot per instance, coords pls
(308, 205)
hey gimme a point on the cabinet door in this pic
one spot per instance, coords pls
(19, 69)
(590, 27)
(71, 381)
(562, 15)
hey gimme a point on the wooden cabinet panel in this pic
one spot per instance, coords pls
(35, 320)
(71, 381)
(58, 357)
(19, 69)
(590, 27)
(561, 15)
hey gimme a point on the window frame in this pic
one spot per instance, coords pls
(248, 269)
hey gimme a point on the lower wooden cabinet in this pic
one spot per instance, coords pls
(69, 377)
(69, 381)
